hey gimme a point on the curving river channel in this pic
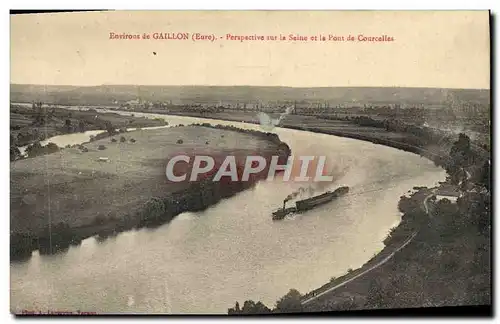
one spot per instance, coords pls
(204, 262)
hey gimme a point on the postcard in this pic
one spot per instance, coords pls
(250, 162)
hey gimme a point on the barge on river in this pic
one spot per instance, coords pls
(310, 203)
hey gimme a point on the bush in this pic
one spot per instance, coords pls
(51, 147)
(14, 153)
(132, 140)
(36, 149)
(153, 209)
(109, 128)
(81, 126)
(123, 139)
(179, 141)
(99, 220)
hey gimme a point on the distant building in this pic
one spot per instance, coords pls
(449, 192)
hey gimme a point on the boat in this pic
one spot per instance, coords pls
(281, 213)
(309, 203)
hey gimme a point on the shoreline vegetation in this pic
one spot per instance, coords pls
(155, 211)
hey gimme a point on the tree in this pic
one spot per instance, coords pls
(153, 211)
(380, 294)
(67, 125)
(290, 303)
(81, 126)
(51, 148)
(249, 307)
(109, 127)
(37, 149)
(14, 153)
(235, 310)
(462, 144)
(38, 113)
(461, 156)
(475, 210)
(34, 149)
(485, 177)
(447, 220)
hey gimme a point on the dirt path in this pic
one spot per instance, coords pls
(375, 266)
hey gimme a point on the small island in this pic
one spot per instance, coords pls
(30, 125)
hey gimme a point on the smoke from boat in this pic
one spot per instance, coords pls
(268, 123)
(309, 190)
(316, 188)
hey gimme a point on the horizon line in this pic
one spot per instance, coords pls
(239, 85)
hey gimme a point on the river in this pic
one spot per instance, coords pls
(204, 262)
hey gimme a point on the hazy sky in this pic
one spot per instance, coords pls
(431, 49)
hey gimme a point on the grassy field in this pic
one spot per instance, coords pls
(73, 187)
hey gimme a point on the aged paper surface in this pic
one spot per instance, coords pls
(235, 162)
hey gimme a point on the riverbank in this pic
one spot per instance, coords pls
(62, 198)
(28, 125)
(446, 263)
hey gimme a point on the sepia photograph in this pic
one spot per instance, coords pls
(250, 162)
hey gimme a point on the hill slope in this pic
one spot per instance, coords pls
(107, 94)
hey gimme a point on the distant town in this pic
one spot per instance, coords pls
(472, 116)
